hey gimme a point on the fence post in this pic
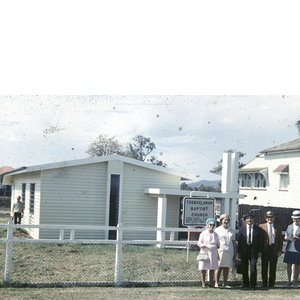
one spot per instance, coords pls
(172, 236)
(72, 234)
(61, 234)
(10, 231)
(118, 262)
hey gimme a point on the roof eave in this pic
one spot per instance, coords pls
(70, 163)
(8, 173)
(283, 150)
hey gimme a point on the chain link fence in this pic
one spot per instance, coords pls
(94, 263)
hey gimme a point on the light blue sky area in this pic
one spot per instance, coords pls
(190, 132)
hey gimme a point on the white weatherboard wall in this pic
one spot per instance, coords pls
(139, 209)
(74, 196)
(28, 218)
(271, 195)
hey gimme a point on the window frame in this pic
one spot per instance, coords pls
(32, 193)
(284, 179)
(23, 193)
(253, 180)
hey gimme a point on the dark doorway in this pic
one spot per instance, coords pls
(114, 204)
(181, 235)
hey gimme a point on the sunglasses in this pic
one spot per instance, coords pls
(213, 225)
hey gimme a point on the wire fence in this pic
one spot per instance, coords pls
(106, 262)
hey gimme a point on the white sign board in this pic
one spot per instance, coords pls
(197, 210)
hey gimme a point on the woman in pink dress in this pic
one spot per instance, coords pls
(209, 243)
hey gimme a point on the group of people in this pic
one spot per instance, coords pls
(265, 241)
(220, 246)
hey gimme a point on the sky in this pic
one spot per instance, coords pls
(190, 132)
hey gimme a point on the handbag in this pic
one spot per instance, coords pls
(202, 257)
(239, 266)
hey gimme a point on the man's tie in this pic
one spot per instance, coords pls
(249, 236)
(270, 235)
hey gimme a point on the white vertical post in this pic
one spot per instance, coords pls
(188, 246)
(161, 219)
(234, 188)
(118, 262)
(172, 236)
(230, 184)
(234, 172)
(61, 234)
(72, 234)
(8, 252)
(226, 168)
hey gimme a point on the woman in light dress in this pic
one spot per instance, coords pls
(209, 243)
(292, 251)
(227, 250)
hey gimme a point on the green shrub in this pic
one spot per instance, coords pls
(5, 201)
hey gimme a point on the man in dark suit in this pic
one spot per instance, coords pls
(273, 241)
(250, 248)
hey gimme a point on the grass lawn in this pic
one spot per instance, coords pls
(141, 264)
(146, 293)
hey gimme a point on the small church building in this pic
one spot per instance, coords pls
(99, 191)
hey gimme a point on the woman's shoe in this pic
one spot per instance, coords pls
(295, 286)
(288, 285)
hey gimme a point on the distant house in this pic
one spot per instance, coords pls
(271, 181)
(101, 191)
(5, 190)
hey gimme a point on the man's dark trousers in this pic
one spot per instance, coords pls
(253, 271)
(269, 256)
(17, 218)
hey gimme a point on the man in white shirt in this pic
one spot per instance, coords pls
(17, 211)
(250, 247)
(273, 241)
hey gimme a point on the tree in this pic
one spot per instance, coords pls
(157, 162)
(140, 148)
(218, 169)
(185, 186)
(208, 188)
(104, 145)
(201, 188)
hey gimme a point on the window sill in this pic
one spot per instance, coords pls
(282, 190)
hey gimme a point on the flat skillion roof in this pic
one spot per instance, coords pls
(173, 192)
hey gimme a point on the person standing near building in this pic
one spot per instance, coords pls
(250, 248)
(209, 244)
(273, 242)
(292, 251)
(227, 250)
(17, 211)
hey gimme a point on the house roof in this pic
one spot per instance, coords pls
(5, 169)
(289, 146)
(92, 160)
